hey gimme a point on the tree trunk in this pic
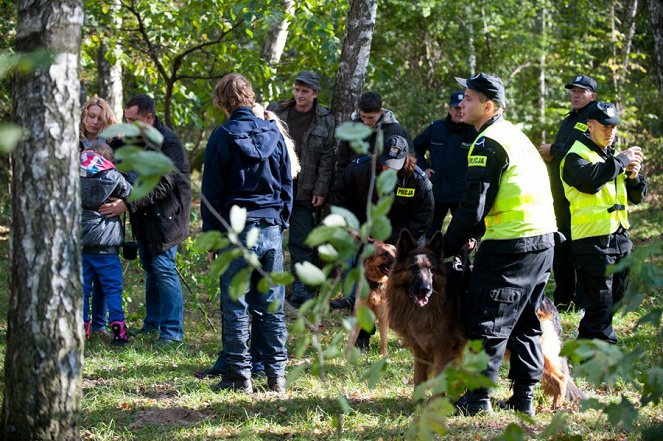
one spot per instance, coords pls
(354, 57)
(471, 52)
(110, 74)
(45, 330)
(656, 16)
(277, 36)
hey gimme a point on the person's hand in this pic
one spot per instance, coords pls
(317, 200)
(471, 244)
(634, 154)
(113, 208)
(544, 151)
(211, 256)
(429, 172)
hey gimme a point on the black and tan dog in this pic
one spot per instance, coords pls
(376, 268)
(425, 310)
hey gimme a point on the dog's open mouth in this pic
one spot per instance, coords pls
(385, 269)
(420, 301)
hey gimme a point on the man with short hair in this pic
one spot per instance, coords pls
(311, 126)
(507, 194)
(599, 184)
(447, 142)
(160, 222)
(373, 115)
(583, 94)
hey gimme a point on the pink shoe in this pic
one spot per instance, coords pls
(87, 330)
(120, 336)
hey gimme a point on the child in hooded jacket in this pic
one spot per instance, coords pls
(101, 236)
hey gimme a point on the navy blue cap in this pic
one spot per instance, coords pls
(395, 152)
(605, 113)
(489, 85)
(456, 98)
(582, 81)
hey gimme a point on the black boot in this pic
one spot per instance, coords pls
(521, 400)
(473, 403)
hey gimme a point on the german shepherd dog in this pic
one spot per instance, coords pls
(425, 311)
(376, 270)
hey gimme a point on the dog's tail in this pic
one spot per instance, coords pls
(573, 392)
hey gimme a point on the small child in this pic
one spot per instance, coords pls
(102, 236)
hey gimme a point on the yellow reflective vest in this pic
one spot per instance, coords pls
(600, 213)
(524, 205)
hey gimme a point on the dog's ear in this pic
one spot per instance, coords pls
(406, 244)
(436, 244)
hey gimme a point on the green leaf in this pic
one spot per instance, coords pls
(210, 240)
(382, 207)
(145, 163)
(334, 220)
(10, 135)
(128, 130)
(320, 235)
(240, 283)
(623, 412)
(294, 373)
(513, 432)
(366, 318)
(381, 228)
(252, 237)
(353, 131)
(309, 274)
(345, 405)
(328, 253)
(222, 262)
(237, 218)
(349, 217)
(652, 388)
(303, 342)
(282, 278)
(558, 424)
(375, 372)
(143, 186)
(386, 182)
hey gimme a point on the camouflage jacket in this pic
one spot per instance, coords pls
(317, 153)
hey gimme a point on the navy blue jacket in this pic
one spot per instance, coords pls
(448, 143)
(247, 164)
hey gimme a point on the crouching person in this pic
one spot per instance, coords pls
(102, 236)
(247, 164)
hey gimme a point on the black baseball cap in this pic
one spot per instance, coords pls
(605, 113)
(395, 152)
(309, 78)
(489, 85)
(456, 98)
(582, 81)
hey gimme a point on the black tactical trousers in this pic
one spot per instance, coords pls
(505, 292)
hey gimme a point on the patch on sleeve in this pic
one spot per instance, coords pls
(580, 126)
(476, 161)
(405, 192)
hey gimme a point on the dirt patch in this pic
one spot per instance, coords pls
(173, 416)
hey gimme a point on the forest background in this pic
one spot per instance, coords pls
(176, 51)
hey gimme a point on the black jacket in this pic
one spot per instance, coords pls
(160, 220)
(479, 197)
(588, 178)
(413, 213)
(448, 144)
(390, 127)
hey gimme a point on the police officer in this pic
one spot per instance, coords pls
(599, 184)
(507, 194)
(583, 93)
(447, 142)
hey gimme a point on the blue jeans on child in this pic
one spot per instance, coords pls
(104, 273)
(164, 303)
(267, 329)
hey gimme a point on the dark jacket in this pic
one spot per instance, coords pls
(390, 127)
(160, 220)
(317, 152)
(247, 164)
(98, 230)
(448, 144)
(411, 212)
(588, 178)
(479, 197)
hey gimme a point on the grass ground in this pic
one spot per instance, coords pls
(146, 392)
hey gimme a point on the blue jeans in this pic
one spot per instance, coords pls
(268, 331)
(102, 273)
(99, 310)
(164, 303)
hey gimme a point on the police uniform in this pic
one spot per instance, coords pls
(572, 128)
(599, 192)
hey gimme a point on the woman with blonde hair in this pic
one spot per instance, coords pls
(96, 115)
(262, 113)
